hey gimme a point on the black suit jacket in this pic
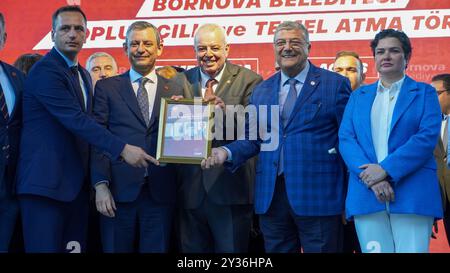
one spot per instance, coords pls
(220, 185)
(10, 132)
(117, 109)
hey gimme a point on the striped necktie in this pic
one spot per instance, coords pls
(3, 106)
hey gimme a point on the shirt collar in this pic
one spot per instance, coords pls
(394, 87)
(135, 76)
(301, 77)
(205, 77)
(68, 62)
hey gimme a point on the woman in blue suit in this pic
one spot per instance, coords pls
(387, 137)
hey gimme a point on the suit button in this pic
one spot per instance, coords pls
(5, 147)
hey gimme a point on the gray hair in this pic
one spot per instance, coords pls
(141, 25)
(211, 28)
(97, 55)
(291, 25)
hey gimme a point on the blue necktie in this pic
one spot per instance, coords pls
(290, 102)
(285, 114)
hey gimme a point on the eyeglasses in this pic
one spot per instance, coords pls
(441, 91)
(296, 44)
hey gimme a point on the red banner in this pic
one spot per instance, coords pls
(334, 25)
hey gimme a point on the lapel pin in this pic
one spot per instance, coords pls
(13, 74)
(228, 81)
(166, 87)
(313, 83)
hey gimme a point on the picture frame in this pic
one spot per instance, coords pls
(185, 131)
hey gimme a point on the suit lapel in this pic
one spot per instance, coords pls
(78, 90)
(161, 88)
(194, 80)
(405, 98)
(270, 90)
(311, 82)
(129, 96)
(363, 111)
(70, 76)
(88, 85)
(17, 87)
(226, 79)
(440, 151)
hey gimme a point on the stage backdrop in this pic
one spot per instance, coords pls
(333, 25)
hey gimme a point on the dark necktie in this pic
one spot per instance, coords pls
(3, 106)
(5, 115)
(445, 133)
(290, 102)
(285, 114)
(209, 92)
(74, 70)
(142, 98)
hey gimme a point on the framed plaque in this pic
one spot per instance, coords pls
(185, 131)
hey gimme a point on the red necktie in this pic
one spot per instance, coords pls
(209, 88)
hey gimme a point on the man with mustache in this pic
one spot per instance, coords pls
(216, 205)
(53, 168)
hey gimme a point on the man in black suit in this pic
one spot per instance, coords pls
(137, 205)
(11, 88)
(216, 205)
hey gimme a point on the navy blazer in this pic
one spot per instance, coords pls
(57, 130)
(10, 132)
(414, 132)
(116, 108)
(313, 170)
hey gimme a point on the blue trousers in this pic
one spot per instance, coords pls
(385, 232)
(9, 210)
(140, 226)
(283, 230)
(51, 226)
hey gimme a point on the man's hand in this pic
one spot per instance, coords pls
(216, 100)
(383, 192)
(104, 200)
(217, 158)
(372, 174)
(176, 97)
(137, 157)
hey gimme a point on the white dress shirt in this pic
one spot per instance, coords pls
(381, 116)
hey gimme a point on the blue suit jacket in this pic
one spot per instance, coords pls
(10, 132)
(56, 131)
(314, 174)
(116, 108)
(415, 128)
